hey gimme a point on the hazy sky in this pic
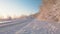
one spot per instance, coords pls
(18, 7)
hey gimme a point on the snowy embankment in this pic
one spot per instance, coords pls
(16, 21)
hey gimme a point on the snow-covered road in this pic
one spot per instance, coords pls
(29, 26)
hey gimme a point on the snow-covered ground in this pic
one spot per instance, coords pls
(29, 25)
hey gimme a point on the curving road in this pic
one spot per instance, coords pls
(29, 26)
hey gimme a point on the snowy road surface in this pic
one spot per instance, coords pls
(29, 26)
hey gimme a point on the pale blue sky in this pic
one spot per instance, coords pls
(19, 7)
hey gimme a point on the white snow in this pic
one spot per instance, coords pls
(29, 25)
